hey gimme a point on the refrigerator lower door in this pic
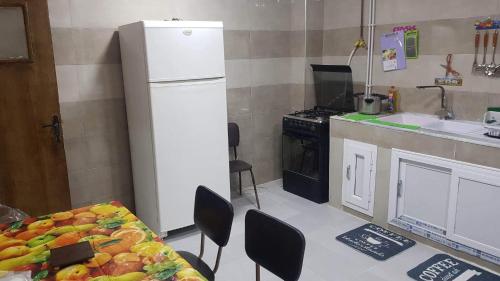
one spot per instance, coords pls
(191, 146)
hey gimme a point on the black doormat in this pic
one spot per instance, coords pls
(376, 241)
(442, 267)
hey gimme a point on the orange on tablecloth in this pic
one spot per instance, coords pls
(125, 249)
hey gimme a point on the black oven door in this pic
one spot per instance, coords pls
(301, 155)
(305, 166)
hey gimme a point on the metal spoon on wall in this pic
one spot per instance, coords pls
(492, 67)
(477, 39)
(486, 39)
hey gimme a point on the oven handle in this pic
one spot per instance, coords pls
(348, 172)
(301, 136)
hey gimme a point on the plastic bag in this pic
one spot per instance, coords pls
(9, 215)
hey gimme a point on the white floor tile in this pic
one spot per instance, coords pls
(325, 258)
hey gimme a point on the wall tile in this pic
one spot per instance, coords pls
(269, 15)
(97, 46)
(100, 184)
(269, 44)
(76, 154)
(268, 124)
(59, 13)
(494, 100)
(67, 83)
(64, 46)
(72, 117)
(469, 106)
(100, 81)
(270, 98)
(268, 158)
(415, 100)
(315, 14)
(109, 14)
(238, 73)
(340, 13)
(235, 14)
(270, 71)
(298, 15)
(79, 189)
(236, 44)
(238, 102)
(99, 151)
(297, 44)
(314, 43)
(297, 92)
(104, 117)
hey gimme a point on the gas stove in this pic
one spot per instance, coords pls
(316, 115)
(313, 122)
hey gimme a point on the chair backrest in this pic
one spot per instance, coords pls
(213, 215)
(234, 134)
(274, 245)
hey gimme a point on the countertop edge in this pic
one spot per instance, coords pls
(462, 138)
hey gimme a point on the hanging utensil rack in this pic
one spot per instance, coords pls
(488, 67)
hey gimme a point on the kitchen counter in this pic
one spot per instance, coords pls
(477, 138)
(376, 144)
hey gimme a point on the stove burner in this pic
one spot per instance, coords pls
(320, 115)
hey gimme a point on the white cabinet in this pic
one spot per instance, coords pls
(474, 209)
(455, 200)
(359, 168)
(422, 190)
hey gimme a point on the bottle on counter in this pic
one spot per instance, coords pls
(393, 95)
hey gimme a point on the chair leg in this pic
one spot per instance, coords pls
(239, 177)
(255, 189)
(257, 272)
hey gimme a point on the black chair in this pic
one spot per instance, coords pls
(274, 245)
(213, 215)
(238, 166)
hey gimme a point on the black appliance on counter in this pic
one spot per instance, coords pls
(306, 134)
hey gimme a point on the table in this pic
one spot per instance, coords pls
(125, 249)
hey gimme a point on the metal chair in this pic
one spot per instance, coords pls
(274, 245)
(213, 215)
(236, 165)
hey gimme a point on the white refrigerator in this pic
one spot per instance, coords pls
(175, 91)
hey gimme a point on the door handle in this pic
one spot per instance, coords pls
(348, 172)
(400, 186)
(55, 126)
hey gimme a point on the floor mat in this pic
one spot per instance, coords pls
(376, 241)
(442, 267)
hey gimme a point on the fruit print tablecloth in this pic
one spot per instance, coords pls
(125, 249)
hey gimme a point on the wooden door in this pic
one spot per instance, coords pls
(33, 173)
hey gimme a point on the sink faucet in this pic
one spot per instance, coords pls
(443, 113)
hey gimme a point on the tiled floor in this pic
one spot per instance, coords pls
(325, 259)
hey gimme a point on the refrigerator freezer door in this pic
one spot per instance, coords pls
(184, 53)
(191, 146)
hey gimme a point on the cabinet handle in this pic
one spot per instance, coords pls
(400, 186)
(348, 172)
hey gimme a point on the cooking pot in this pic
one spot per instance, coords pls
(371, 105)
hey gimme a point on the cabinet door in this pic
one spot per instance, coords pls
(474, 208)
(359, 176)
(420, 188)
